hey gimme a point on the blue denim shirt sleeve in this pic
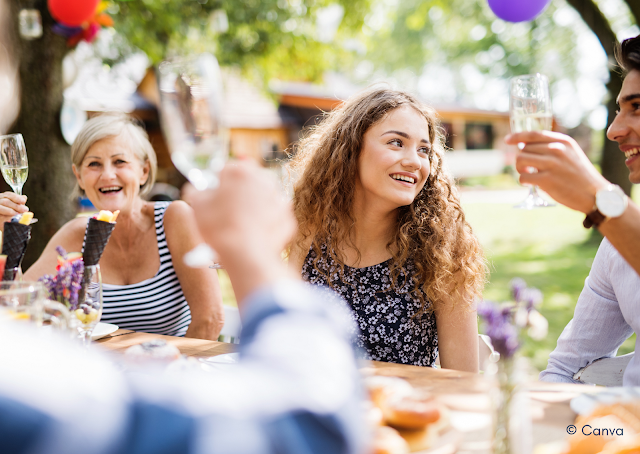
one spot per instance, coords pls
(296, 390)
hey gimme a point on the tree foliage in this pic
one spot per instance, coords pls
(275, 37)
(418, 34)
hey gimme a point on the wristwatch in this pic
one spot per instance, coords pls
(611, 201)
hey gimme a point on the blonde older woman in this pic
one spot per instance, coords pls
(146, 284)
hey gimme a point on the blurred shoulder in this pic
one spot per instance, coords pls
(179, 217)
(178, 211)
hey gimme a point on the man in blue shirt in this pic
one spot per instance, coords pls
(295, 390)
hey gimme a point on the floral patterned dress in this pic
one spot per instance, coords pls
(389, 329)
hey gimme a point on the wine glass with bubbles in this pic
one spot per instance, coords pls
(191, 103)
(530, 110)
(13, 161)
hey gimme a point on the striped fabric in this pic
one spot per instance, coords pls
(155, 305)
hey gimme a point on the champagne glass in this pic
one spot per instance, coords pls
(530, 110)
(13, 160)
(191, 106)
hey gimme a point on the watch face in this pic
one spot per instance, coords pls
(611, 202)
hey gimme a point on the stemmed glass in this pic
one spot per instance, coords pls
(530, 110)
(13, 160)
(89, 308)
(22, 300)
(191, 103)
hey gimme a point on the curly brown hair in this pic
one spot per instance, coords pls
(432, 231)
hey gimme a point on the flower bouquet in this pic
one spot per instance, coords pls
(503, 324)
(79, 288)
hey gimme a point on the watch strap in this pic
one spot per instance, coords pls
(593, 219)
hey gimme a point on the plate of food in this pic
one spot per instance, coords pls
(585, 403)
(406, 420)
(103, 329)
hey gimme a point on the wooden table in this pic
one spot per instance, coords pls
(123, 339)
(460, 391)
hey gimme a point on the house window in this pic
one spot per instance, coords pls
(479, 136)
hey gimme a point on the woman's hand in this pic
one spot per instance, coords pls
(248, 222)
(10, 205)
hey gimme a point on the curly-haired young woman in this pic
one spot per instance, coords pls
(380, 223)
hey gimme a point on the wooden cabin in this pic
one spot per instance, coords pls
(264, 125)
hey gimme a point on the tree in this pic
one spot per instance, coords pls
(459, 35)
(50, 180)
(263, 36)
(612, 163)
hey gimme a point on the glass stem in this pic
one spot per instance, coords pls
(18, 190)
(85, 337)
(533, 191)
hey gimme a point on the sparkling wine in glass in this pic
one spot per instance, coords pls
(191, 103)
(530, 110)
(13, 161)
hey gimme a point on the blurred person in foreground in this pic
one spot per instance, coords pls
(608, 310)
(146, 284)
(295, 389)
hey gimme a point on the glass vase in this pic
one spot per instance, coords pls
(502, 400)
(89, 308)
(511, 417)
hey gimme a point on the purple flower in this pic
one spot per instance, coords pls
(498, 326)
(502, 322)
(66, 284)
(517, 286)
(73, 295)
(532, 297)
(62, 253)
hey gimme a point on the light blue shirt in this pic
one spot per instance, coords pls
(607, 313)
(295, 390)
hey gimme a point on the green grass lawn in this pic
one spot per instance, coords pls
(550, 250)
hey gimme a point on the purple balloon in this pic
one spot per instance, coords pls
(518, 10)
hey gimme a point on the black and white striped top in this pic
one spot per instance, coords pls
(155, 305)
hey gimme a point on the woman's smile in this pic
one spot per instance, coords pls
(408, 179)
(110, 190)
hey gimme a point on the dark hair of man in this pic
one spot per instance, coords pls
(628, 55)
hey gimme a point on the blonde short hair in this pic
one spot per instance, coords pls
(115, 124)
